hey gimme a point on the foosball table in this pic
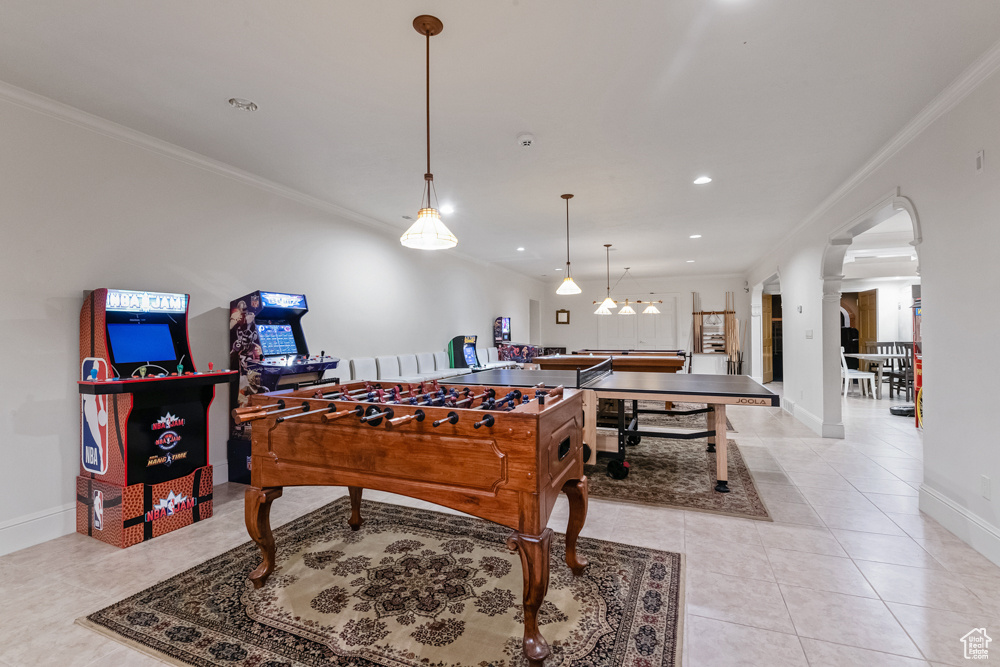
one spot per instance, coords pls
(497, 453)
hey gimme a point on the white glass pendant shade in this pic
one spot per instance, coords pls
(609, 303)
(651, 310)
(428, 232)
(568, 287)
(626, 309)
(602, 310)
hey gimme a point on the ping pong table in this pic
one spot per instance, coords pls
(602, 381)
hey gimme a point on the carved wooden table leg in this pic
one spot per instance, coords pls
(258, 518)
(355, 521)
(576, 492)
(534, 551)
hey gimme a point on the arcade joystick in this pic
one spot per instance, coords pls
(142, 371)
(210, 365)
(93, 375)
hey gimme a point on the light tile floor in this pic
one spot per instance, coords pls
(850, 572)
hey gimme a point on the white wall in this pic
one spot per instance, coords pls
(82, 210)
(895, 317)
(960, 276)
(581, 332)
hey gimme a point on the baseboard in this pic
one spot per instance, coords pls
(788, 405)
(967, 526)
(31, 529)
(220, 473)
(814, 423)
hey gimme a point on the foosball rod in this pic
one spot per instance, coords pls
(327, 409)
(241, 415)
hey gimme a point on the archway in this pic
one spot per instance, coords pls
(831, 273)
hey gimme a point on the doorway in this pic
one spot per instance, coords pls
(772, 357)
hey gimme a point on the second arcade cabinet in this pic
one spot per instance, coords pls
(269, 349)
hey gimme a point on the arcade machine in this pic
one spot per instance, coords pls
(501, 330)
(269, 349)
(144, 467)
(462, 352)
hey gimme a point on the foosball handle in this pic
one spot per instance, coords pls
(248, 416)
(487, 421)
(418, 415)
(452, 418)
(334, 416)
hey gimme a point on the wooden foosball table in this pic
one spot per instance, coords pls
(498, 453)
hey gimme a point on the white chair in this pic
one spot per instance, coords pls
(388, 367)
(363, 368)
(862, 377)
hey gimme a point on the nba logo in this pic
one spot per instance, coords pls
(94, 424)
(98, 510)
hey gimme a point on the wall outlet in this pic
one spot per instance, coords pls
(809, 334)
(986, 487)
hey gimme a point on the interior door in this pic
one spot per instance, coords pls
(659, 332)
(867, 319)
(618, 332)
(767, 337)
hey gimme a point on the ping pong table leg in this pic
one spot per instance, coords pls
(718, 426)
(710, 427)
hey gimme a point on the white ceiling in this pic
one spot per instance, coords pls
(778, 100)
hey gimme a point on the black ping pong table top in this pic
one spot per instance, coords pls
(736, 386)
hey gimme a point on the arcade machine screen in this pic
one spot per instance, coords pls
(277, 339)
(135, 342)
(470, 355)
(501, 330)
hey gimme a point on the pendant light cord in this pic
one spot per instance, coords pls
(428, 79)
(567, 236)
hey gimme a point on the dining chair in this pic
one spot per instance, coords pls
(863, 377)
(901, 375)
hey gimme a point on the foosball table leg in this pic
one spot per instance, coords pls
(355, 521)
(258, 519)
(534, 552)
(576, 492)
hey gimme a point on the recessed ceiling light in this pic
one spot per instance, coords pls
(557, 269)
(447, 209)
(690, 261)
(695, 236)
(520, 249)
(240, 103)
(702, 180)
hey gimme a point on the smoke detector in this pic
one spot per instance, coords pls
(525, 140)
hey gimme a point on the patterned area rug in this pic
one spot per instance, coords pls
(680, 474)
(411, 588)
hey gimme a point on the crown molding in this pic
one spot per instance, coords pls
(87, 121)
(966, 83)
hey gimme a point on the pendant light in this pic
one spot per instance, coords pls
(568, 286)
(428, 232)
(627, 309)
(608, 303)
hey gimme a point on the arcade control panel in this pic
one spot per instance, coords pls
(150, 382)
